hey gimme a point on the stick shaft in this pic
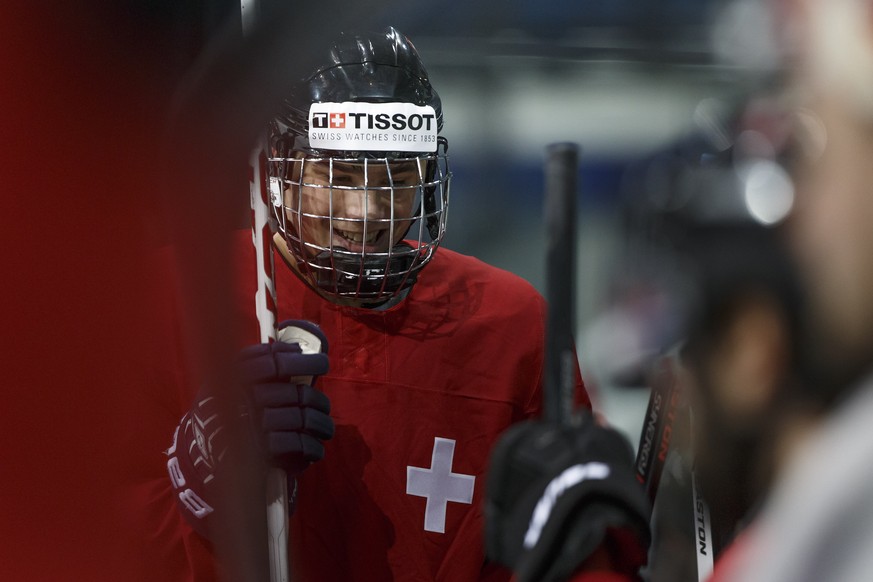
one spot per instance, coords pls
(248, 14)
(262, 236)
(265, 309)
(561, 168)
(702, 527)
(658, 423)
(705, 547)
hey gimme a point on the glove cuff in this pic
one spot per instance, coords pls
(190, 465)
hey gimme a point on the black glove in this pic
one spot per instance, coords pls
(287, 418)
(555, 494)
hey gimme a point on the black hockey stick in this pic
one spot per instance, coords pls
(562, 160)
(668, 412)
(658, 424)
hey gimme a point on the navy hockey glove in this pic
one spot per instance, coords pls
(287, 417)
(558, 495)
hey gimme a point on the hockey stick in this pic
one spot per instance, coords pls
(655, 442)
(704, 542)
(265, 310)
(658, 424)
(705, 549)
(561, 166)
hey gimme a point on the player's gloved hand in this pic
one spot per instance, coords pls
(287, 418)
(560, 500)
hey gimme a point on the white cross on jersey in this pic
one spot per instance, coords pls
(439, 485)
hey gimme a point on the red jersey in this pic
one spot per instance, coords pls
(419, 393)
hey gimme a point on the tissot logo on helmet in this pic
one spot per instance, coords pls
(319, 121)
(373, 127)
(338, 120)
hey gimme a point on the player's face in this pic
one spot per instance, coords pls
(352, 205)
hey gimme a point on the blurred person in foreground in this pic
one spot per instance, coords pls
(818, 523)
(80, 128)
(734, 303)
(815, 520)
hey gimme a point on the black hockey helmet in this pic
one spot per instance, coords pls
(373, 68)
(376, 82)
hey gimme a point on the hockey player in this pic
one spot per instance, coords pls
(431, 354)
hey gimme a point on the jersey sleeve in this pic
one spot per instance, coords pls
(581, 398)
(170, 548)
(617, 561)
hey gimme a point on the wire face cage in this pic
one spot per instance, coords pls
(361, 227)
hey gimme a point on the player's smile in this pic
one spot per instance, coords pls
(362, 208)
(374, 240)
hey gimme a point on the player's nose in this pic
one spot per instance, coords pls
(370, 204)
